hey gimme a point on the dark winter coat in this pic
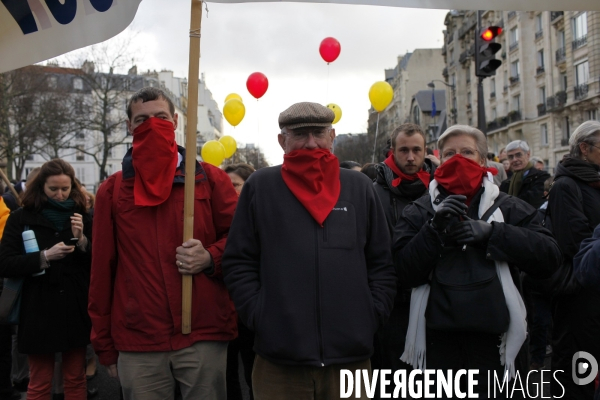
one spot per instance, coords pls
(390, 338)
(54, 314)
(313, 295)
(532, 188)
(521, 241)
(10, 201)
(586, 263)
(574, 209)
(573, 218)
(393, 205)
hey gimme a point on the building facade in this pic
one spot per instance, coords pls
(84, 150)
(422, 114)
(548, 83)
(411, 74)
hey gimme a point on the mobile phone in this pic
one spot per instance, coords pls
(73, 241)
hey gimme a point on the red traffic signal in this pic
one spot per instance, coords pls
(490, 33)
(485, 47)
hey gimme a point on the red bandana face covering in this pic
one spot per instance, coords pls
(154, 161)
(422, 175)
(460, 175)
(313, 176)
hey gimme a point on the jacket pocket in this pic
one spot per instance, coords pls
(339, 229)
(466, 294)
(136, 317)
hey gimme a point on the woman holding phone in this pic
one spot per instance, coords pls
(53, 315)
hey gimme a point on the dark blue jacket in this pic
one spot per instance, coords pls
(313, 295)
(586, 263)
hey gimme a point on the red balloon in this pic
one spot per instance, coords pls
(257, 84)
(330, 49)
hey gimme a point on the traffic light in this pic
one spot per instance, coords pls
(485, 48)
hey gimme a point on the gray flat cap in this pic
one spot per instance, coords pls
(306, 114)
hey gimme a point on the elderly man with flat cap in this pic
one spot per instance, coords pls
(308, 263)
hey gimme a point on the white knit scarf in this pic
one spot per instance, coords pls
(511, 341)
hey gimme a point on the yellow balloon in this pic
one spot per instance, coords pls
(233, 96)
(381, 95)
(230, 145)
(234, 111)
(213, 152)
(336, 110)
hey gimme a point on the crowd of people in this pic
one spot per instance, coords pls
(305, 269)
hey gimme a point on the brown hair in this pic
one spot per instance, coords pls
(92, 199)
(35, 198)
(370, 170)
(242, 170)
(408, 130)
(149, 94)
(30, 177)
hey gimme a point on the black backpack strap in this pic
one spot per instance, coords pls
(502, 197)
(116, 192)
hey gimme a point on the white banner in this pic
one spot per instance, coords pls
(500, 5)
(36, 30)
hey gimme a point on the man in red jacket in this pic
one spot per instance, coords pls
(138, 260)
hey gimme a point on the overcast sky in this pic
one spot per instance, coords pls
(282, 41)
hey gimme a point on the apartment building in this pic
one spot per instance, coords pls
(85, 150)
(411, 74)
(548, 83)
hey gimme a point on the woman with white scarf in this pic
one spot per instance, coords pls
(466, 308)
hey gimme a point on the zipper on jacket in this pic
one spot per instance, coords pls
(324, 233)
(395, 210)
(318, 303)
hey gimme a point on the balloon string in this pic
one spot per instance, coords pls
(327, 92)
(375, 144)
(257, 134)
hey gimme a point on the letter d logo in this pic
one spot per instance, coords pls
(588, 368)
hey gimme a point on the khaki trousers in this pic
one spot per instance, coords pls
(199, 370)
(277, 382)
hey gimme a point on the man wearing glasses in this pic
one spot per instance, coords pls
(527, 182)
(308, 263)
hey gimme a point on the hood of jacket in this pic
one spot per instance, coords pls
(561, 170)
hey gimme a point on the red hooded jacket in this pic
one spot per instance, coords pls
(135, 287)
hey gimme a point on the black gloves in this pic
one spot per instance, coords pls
(452, 206)
(447, 220)
(471, 232)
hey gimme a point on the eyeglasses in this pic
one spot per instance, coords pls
(467, 153)
(301, 134)
(594, 146)
(516, 155)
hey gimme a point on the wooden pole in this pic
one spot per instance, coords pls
(11, 187)
(190, 157)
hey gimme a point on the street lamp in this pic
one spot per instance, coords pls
(453, 89)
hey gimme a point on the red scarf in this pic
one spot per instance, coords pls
(460, 175)
(421, 174)
(313, 176)
(154, 161)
